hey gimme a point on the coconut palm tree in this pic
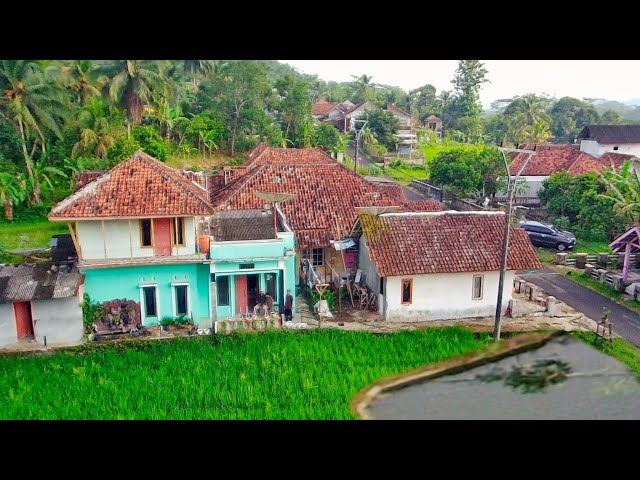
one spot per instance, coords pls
(198, 68)
(97, 133)
(35, 106)
(129, 84)
(80, 78)
(363, 87)
(12, 191)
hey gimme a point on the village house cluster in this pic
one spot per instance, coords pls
(152, 241)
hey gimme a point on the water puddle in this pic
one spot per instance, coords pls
(563, 379)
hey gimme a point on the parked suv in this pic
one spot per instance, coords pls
(546, 235)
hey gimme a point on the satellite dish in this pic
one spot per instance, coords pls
(376, 210)
(276, 197)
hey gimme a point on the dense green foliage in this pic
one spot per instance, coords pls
(619, 348)
(469, 170)
(270, 375)
(383, 125)
(580, 199)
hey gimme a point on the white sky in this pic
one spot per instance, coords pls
(610, 79)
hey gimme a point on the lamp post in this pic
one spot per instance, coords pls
(507, 224)
(355, 160)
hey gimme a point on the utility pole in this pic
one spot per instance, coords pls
(507, 225)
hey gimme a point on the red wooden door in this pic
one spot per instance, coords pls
(241, 294)
(162, 236)
(24, 325)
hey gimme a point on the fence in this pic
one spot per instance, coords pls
(613, 261)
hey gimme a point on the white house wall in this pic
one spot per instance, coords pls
(445, 296)
(8, 332)
(528, 185)
(122, 239)
(59, 319)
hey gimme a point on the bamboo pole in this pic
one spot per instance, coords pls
(75, 240)
(344, 265)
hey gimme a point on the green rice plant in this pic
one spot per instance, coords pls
(275, 374)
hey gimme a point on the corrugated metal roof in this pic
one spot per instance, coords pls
(21, 283)
(250, 224)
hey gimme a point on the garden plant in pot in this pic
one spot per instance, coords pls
(165, 322)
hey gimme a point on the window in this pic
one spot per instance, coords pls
(177, 228)
(271, 286)
(150, 301)
(181, 299)
(615, 148)
(407, 287)
(316, 255)
(145, 232)
(478, 281)
(222, 285)
(432, 125)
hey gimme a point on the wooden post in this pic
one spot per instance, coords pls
(627, 261)
(75, 240)
(344, 265)
(104, 238)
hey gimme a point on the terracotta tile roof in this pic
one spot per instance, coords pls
(138, 187)
(607, 134)
(392, 108)
(446, 242)
(433, 118)
(321, 107)
(613, 160)
(393, 190)
(286, 156)
(548, 159)
(82, 178)
(586, 163)
(326, 193)
(423, 206)
(232, 225)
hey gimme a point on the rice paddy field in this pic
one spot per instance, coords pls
(270, 375)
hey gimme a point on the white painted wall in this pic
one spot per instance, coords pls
(527, 186)
(445, 296)
(122, 242)
(8, 332)
(597, 149)
(59, 319)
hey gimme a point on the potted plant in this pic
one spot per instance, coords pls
(165, 322)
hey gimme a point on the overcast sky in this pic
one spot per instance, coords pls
(610, 79)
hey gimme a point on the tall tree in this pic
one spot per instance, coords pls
(36, 107)
(568, 116)
(293, 107)
(363, 88)
(527, 119)
(423, 102)
(239, 96)
(610, 117)
(197, 69)
(98, 131)
(467, 81)
(129, 84)
(623, 189)
(81, 80)
(383, 124)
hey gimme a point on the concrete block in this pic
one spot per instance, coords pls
(581, 260)
(618, 284)
(561, 258)
(602, 275)
(602, 259)
(552, 306)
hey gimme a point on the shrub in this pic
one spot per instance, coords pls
(328, 295)
(91, 312)
(166, 321)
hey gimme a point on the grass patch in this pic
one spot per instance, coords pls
(594, 285)
(405, 174)
(591, 246)
(36, 234)
(546, 255)
(348, 163)
(624, 351)
(270, 375)
(604, 290)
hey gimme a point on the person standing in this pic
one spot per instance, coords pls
(268, 305)
(260, 301)
(288, 306)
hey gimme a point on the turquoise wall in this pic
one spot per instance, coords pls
(249, 250)
(123, 282)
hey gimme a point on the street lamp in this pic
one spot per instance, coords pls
(358, 133)
(511, 182)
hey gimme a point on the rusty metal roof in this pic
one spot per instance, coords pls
(41, 281)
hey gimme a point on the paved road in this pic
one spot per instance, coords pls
(625, 322)
(365, 161)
